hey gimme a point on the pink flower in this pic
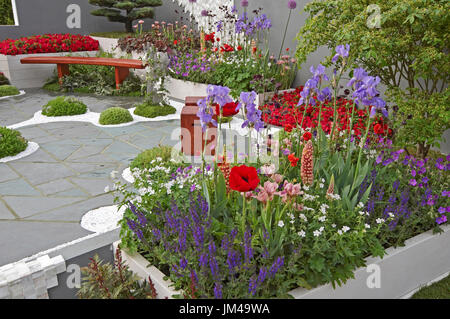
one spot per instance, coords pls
(268, 169)
(141, 21)
(135, 26)
(277, 178)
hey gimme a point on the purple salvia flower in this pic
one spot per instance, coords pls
(218, 291)
(276, 266)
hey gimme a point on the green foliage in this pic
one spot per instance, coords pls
(7, 90)
(134, 9)
(11, 142)
(3, 79)
(61, 106)
(408, 50)
(6, 16)
(149, 110)
(115, 115)
(106, 281)
(437, 290)
(144, 159)
(98, 79)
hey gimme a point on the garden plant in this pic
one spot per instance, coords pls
(62, 106)
(115, 115)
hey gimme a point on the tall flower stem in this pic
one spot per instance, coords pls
(362, 143)
(285, 31)
(351, 128)
(244, 212)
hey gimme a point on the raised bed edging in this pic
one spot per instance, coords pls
(24, 76)
(424, 258)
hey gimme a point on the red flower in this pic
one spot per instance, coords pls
(228, 109)
(288, 128)
(254, 49)
(239, 48)
(175, 42)
(243, 178)
(378, 129)
(307, 136)
(210, 37)
(293, 159)
(217, 39)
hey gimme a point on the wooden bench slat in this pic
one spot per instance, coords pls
(127, 63)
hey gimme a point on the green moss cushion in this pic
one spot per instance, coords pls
(7, 90)
(115, 115)
(11, 142)
(61, 106)
(150, 111)
(144, 158)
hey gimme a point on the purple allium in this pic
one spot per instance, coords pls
(244, 3)
(205, 13)
(192, 1)
(292, 4)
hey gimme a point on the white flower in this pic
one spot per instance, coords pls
(291, 216)
(302, 216)
(106, 189)
(280, 223)
(306, 188)
(333, 225)
(345, 229)
(321, 185)
(301, 233)
(113, 174)
(339, 232)
(391, 215)
(322, 180)
(316, 233)
(367, 226)
(379, 220)
(321, 229)
(361, 212)
(322, 218)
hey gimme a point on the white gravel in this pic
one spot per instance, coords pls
(93, 117)
(31, 148)
(21, 92)
(102, 219)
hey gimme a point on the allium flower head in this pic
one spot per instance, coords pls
(292, 4)
(244, 3)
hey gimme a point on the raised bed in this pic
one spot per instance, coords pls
(25, 76)
(423, 259)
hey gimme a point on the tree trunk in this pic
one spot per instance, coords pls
(129, 26)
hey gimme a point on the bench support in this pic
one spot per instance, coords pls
(121, 75)
(63, 69)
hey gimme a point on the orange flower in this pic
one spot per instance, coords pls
(293, 159)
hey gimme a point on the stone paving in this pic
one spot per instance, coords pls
(43, 196)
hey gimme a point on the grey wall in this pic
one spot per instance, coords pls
(49, 16)
(278, 11)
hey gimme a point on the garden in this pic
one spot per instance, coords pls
(295, 185)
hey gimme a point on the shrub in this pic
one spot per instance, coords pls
(11, 142)
(115, 115)
(61, 106)
(148, 110)
(144, 159)
(405, 43)
(105, 281)
(7, 90)
(3, 79)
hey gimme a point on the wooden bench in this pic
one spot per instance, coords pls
(122, 66)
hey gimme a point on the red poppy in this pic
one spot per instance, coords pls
(217, 39)
(287, 49)
(239, 48)
(210, 37)
(254, 49)
(293, 159)
(243, 178)
(175, 42)
(228, 109)
(307, 136)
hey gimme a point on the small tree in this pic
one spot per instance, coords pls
(134, 9)
(405, 43)
(6, 16)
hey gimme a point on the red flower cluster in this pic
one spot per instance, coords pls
(293, 159)
(283, 111)
(243, 178)
(48, 43)
(226, 48)
(228, 109)
(210, 37)
(307, 136)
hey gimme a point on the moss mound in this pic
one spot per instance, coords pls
(144, 158)
(3, 79)
(115, 115)
(6, 90)
(11, 142)
(62, 105)
(148, 110)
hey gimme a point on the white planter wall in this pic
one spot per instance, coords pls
(403, 270)
(25, 76)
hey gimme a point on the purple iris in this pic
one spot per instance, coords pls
(341, 51)
(253, 115)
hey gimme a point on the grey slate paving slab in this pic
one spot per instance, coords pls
(95, 186)
(5, 213)
(39, 173)
(6, 173)
(40, 156)
(29, 238)
(17, 187)
(29, 206)
(55, 186)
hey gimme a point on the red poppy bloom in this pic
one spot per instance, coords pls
(293, 159)
(228, 109)
(254, 49)
(307, 136)
(288, 128)
(175, 42)
(239, 48)
(210, 37)
(243, 178)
